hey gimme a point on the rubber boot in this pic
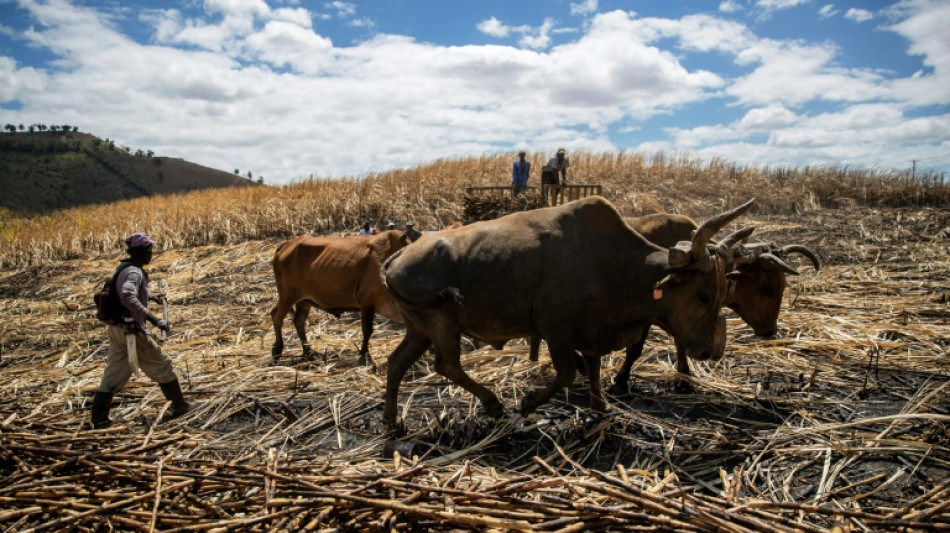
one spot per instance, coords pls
(172, 392)
(101, 403)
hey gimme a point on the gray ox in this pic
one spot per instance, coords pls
(757, 275)
(575, 275)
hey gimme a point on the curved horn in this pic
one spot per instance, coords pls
(782, 265)
(737, 236)
(797, 248)
(711, 226)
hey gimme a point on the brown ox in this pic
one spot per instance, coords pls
(757, 277)
(575, 275)
(335, 274)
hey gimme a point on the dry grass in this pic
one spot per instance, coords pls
(842, 421)
(432, 194)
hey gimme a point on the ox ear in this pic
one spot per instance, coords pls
(679, 255)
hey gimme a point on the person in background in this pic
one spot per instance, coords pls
(367, 230)
(131, 283)
(411, 232)
(520, 171)
(554, 173)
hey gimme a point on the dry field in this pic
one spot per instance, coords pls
(843, 421)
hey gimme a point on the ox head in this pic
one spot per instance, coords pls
(758, 282)
(695, 288)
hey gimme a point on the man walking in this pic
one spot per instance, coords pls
(520, 171)
(130, 342)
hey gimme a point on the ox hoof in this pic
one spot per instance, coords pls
(496, 410)
(683, 387)
(276, 350)
(619, 390)
(309, 355)
(528, 405)
(366, 360)
(396, 428)
(599, 406)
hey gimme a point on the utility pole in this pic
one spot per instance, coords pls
(913, 169)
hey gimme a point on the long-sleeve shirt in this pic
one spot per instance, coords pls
(132, 284)
(520, 171)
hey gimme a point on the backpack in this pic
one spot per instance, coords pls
(109, 309)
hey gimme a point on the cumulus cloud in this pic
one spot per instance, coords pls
(241, 86)
(775, 5)
(342, 9)
(827, 11)
(535, 38)
(586, 7)
(493, 27)
(858, 15)
(730, 6)
(539, 39)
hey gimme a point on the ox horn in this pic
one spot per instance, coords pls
(711, 226)
(797, 248)
(737, 236)
(769, 257)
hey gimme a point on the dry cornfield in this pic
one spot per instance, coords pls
(842, 421)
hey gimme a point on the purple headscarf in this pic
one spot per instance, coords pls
(138, 242)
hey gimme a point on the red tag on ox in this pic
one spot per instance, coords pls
(657, 294)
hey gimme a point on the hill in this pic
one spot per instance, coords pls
(43, 171)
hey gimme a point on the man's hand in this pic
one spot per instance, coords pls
(157, 322)
(157, 298)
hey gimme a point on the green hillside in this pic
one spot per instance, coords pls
(43, 171)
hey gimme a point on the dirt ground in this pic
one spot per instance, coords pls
(845, 415)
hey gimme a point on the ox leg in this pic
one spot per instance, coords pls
(598, 402)
(277, 314)
(413, 345)
(622, 379)
(682, 385)
(535, 343)
(448, 363)
(367, 314)
(301, 310)
(563, 359)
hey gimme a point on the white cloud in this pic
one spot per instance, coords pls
(794, 73)
(858, 15)
(827, 11)
(493, 27)
(15, 81)
(730, 6)
(586, 7)
(767, 118)
(343, 9)
(362, 22)
(923, 24)
(264, 91)
(775, 5)
(540, 39)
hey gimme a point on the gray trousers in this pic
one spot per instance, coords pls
(151, 360)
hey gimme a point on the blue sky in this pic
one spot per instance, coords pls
(290, 88)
